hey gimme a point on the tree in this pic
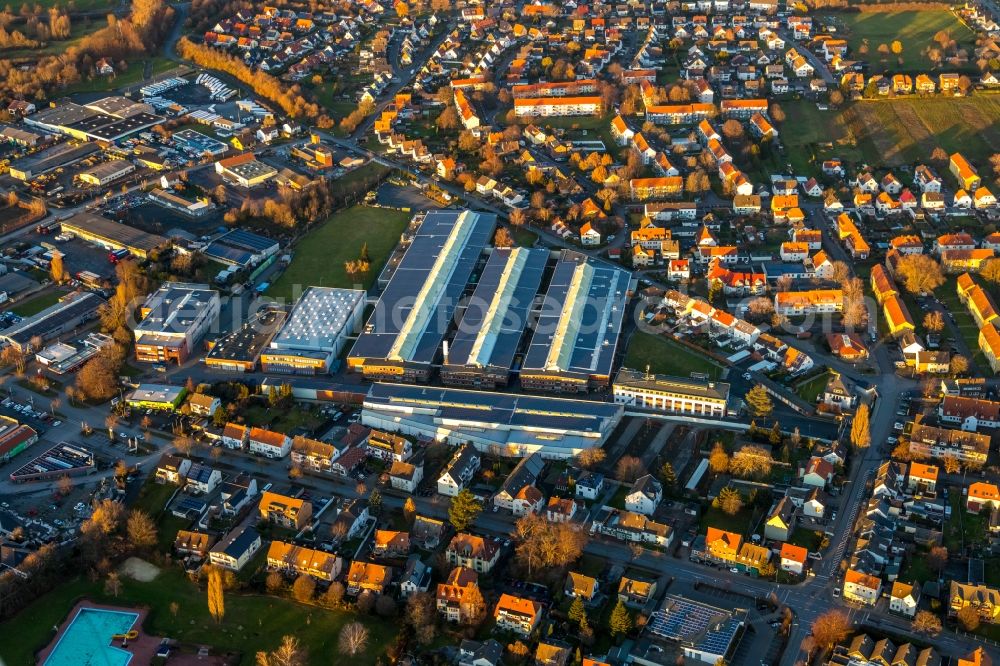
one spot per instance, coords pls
(448, 119)
(334, 595)
(590, 458)
(216, 595)
(353, 639)
(503, 238)
(183, 444)
(543, 545)
(620, 622)
(732, 129)
(937, 558)
(919, 273)
(517, 218)
(289, 653)
(830, 628)
(758, 401)
(751, 462)
(518, 651)
(861, 436)
(113, 585)
(718, 459)
(65, 485)
(951, 463)
(375, 501)
(959, 364)
(730, 501)
(836, 97)
(927, 622)
(56, 268)
(409, 510)
(934, 321)
(463, 509)
(420, 612)
(274, 582)
(141, 530)
(991, 271)
(896, 47)
(968, 618)
(629, 468)
(303, 588)
(576, 610)
(667, 475)
(473, 606)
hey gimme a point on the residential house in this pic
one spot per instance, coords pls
(196, 544)
(644, 496)
(580, 585)
(388, 447)
(982, 495)
(793, 558)
(517, 614)
(518, 493)
(904, 598)
(298, 560)
(268, 443)
(202, 479)
(636, 592)
(474, 552)
(451, 593)
(406, 476)
(861, 587)
(235, 549)
(590, 485)
(780, 521)
(459, 471)
(172, 469)
(234, 436)
(560, 510)
(368, 577)
(984, 600)
(351, 520)
(390, 543)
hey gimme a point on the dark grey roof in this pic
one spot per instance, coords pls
(508, 287)
(665, 383)
(581, 318)
(432, 274)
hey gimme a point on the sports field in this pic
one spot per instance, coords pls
(320, 255)
(914, 29)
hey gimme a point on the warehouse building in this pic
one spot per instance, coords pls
(107, 172)
(198, 143)
(90, 123)
(245, 170)
(61, 460)
(403, 338)
(71, 312)
(14, 438)
(573, 346)
(493, 324)
(671, 395)
(498, 423)
(241, 248)
(49, 159)
(192, 209)
(113, 235)
(315, 332)
(174, 318)
(240, 350)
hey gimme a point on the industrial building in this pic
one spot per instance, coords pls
(241, 248)
(499, 423)
(68, 314)
(156, 396)
(107, 172)
(315, 332)
(240, 350)
(50, 159)
(192, 209)
(92, 123)
(403, 338)
(575, 339)
(493, 324)
(671, 395)
(113, 235)
(14, 438)
(174, 318)
(199, 143)
(63, 459)
(61, 357)
(245, 170)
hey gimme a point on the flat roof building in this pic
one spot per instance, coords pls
(499, 423)
(63, 459)
(495, 318)
(576, 335)
(107, 172)
(91, 123)
(671, 395)
(241, 248)
(315, 332)
(68, 314)
(403, 338)
(240, 350)
(156, 396)
(113, 235)
(174, 318)
(245, 170)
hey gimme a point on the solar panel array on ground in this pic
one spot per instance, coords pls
(496, 315)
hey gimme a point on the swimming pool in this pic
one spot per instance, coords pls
(87, 640)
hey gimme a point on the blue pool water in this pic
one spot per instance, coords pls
(87, 640)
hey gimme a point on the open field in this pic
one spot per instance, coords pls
(809, 390)
(320, 255)
(894, 132)
(914, 29)
(37, 304)
(241, 630)
(666, 358)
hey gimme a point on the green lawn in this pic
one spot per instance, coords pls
(963, 320)
(809, 134)
(37, 304)
(320, 255)
(252, 623)
(914, 29)
(808, 539)
(280, 420)
(742, 523)
(810, 390)
(665, 357)
(153, 497)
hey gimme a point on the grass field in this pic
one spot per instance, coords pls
(810, 390)
(894, 132)
(37, 304)
(666, 358)
(320, 255)
(963, 321)
(914, 29)
(243, 629)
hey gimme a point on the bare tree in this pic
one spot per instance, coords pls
(353, 639)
